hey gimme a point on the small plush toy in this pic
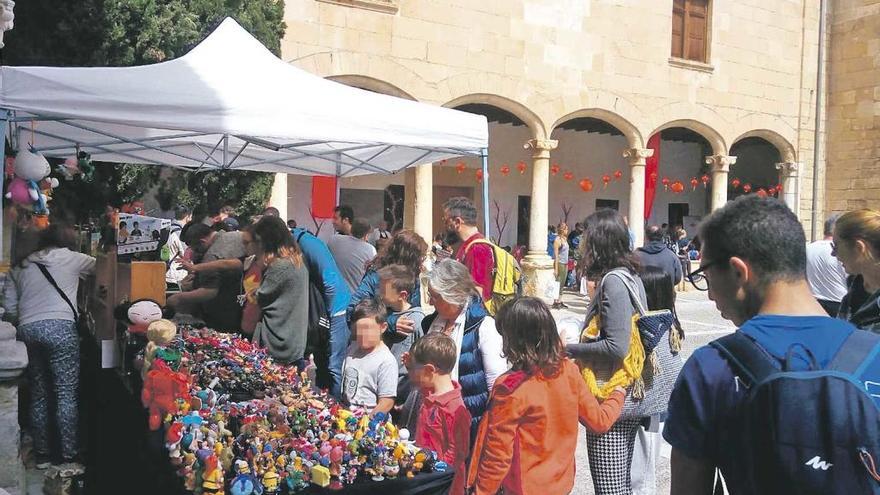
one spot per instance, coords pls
(30, 169)
(162, 388)
(140, 313)
(159, 334)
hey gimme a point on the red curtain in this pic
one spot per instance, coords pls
(652, 173)
(323, 196)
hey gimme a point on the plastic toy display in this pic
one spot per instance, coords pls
(235, 422)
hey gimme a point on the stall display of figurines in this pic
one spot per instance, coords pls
(237, 423)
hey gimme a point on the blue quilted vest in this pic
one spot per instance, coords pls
(471, 375)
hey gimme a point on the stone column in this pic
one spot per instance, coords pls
(13, 361)
(636, 157)
(423, 202)
(278, 199)
(538, 268)
(719, 166)
(789, 173)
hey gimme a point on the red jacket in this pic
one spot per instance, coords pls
(527, 439)
(480, 261)
(444, 426)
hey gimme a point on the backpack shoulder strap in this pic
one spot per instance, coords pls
(745, 356)
(629, 282)
(854, 351)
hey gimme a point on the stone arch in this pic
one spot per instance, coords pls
(371, 84)
(530, 118)
(716, 141)
(786, 151)
(630, 131)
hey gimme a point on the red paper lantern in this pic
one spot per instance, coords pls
(677, 187)
(479, 176)
(505, 169)
(618, 174)
(605, 180)
(554, 169)
(762, 193)
(586, 185)
(779, 188)
(521, 166)
(665, 183)
(568, 176)
(694, 183)
(735, 183)
(460, 166)
(705, 180)
(747, 188)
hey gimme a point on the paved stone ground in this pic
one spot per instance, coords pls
(702, 323)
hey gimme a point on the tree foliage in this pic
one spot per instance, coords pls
(138, 32)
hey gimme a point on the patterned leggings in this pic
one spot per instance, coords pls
(611, 456)
(53, 370)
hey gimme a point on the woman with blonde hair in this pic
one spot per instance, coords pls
(283, 295)
(560, 256)
(857, 245)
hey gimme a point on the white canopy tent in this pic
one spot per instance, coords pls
(229, 104)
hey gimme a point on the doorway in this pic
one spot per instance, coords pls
(523, 211)
(607, 204)
(677, 212)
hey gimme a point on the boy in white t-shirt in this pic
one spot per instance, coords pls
(369, 374)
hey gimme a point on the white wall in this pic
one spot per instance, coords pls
(680, 161)
(587, 155)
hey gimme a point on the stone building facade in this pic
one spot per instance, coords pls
(853, 152)
(552, 74)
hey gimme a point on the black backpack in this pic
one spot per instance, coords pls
(810, 432)
(318, 338)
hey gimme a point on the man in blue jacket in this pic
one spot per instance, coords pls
(656, 253)
(336, 296)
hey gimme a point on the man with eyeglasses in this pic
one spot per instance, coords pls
(753, 265)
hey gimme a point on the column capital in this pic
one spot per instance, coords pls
(720, 163)
(541, 144)
(637, 156)
(788, 169)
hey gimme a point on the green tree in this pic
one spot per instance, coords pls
(137, 32)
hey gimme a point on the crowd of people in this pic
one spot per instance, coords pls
(493, 389)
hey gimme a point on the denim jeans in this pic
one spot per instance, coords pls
(329, 365)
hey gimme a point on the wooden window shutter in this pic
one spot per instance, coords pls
(678, 17)
(696, 29)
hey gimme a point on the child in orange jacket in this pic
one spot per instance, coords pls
(527, 440)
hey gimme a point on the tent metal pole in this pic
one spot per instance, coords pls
(127, 140)
(117, 141)
(484, 154)
(225, 150)
(4, 123)
(101, 148)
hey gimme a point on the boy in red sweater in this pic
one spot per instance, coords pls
(444, 421)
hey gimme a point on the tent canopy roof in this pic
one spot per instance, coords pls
(230, 104)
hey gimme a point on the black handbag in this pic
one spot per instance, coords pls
(82, 324)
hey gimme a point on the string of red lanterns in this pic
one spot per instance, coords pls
(669, 185)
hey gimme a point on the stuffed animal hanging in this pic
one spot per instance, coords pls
(140, 313)
(26, 189)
